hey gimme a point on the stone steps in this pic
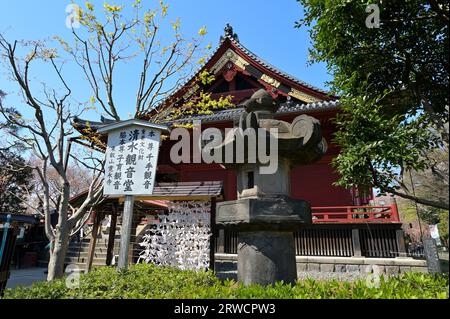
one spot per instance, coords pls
(82, 266)
(77, 255)
(96, 260)
(84, 254)
(77, 252)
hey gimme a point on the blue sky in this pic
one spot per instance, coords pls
(264, 27)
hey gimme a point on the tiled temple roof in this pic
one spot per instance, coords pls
(188, 189)
(234, 39)
(231, 114)
(223, 115)
(230, 39)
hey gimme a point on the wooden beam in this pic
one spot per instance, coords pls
(112, 235)
(400, 238)
(93, 242)
(141, 198)
(125, 234)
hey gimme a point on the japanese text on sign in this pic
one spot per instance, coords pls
(131, 159)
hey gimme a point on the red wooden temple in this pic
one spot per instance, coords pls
(337, 212)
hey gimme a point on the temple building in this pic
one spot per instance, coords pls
(345, 224)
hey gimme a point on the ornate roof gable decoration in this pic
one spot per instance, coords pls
(229, 33)
(229, 56)
(232, 57)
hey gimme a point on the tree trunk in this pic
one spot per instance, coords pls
(62, 236)
(58, 254)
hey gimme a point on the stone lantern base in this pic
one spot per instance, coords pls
(266, 251)
(266, 257)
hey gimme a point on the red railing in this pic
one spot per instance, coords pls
(356, 214)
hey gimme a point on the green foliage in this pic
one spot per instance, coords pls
(15, 176)
(150, 281)
(407, 53)
(393, 83)
(15, 182)
(205, 104)
(198, 103)
(374, 144)
(113, 34)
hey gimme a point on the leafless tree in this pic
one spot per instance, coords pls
(47, 142)
(101, 45)
(79, 179)
(96, 48)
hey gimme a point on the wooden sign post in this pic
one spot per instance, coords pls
(130, 168)
(125, 235)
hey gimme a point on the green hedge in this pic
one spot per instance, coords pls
(149, 281)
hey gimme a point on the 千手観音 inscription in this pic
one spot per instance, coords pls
(130, 161)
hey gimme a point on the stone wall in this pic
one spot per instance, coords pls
(388, 266)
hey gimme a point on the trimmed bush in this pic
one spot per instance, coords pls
(153, 282)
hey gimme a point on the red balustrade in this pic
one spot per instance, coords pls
(356, 214)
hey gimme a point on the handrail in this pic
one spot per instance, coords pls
(354, 207)
(355, 214)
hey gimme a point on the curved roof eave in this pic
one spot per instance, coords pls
(230, 40)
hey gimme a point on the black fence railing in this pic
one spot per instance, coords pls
(230, 242)
(379, 242)
(416, 250)
(338, 241)
(323, 242)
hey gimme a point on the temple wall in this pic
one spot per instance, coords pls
(314, 183)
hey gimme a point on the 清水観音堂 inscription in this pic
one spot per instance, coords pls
(131, 159)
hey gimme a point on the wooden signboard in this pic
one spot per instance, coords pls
(130, 168)
(131, 159)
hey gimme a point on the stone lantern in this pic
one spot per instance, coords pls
(264, 215)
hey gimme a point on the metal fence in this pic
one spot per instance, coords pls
(416, 250)
(338, 241)
(324, 242)
(379, 242)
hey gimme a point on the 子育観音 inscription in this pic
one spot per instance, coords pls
(131, 159)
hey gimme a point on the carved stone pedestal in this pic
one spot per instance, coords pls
(266, 252)
(266, 257)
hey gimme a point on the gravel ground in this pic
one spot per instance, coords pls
(341, 276)
(26, 277)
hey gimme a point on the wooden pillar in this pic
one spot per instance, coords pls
(394, 212)
(127, 220)
(112, 235)
(356, 243)
(133, 237)
(212, 241)
(400, 238)
(93, 242)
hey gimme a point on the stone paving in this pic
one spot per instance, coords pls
(317, 275)
(26, 277)
(326, 275)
